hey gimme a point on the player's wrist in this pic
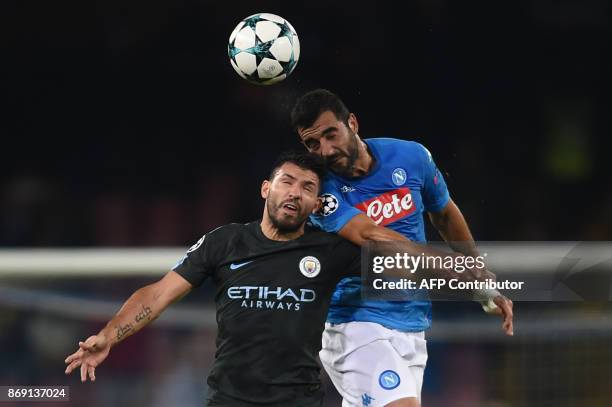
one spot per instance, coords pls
(105, 338)
(485, 295)
(485, 298)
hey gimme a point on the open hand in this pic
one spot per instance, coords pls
(90, 354)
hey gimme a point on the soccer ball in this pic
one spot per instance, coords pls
(264, 49)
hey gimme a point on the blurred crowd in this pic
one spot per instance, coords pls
(128, 126)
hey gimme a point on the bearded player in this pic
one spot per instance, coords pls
(273, 279)
(375, 351)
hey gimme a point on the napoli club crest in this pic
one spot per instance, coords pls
(389, 380)
(310, 266)
(398, 176)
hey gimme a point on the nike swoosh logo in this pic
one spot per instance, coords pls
(237, 266)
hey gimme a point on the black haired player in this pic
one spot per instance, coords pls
(274, 281)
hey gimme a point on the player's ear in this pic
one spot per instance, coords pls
(352, 122)
(318, 205)
(265, 189)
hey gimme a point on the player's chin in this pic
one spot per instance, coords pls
(292, 220)
(340, 165)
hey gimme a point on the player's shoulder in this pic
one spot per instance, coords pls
(394, 143)
(328, 239)
(314, 233)
(389, 149)
(227, 232)
(331, 183)
(228, 229)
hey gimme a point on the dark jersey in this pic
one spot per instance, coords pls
(272, 299)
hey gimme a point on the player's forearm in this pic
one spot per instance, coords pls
(361, 231)
(453, 228)
(143, 306)
(397, 243)
(457, 234)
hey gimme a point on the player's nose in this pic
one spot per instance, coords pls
(327, 148)
(295, 191)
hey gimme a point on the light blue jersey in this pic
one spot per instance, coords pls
(403, 183)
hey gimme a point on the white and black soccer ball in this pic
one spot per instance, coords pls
(264, 48)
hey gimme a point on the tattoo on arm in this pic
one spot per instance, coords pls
(145, 313)
(122, 331)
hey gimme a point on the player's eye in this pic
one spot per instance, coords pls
(312, 145)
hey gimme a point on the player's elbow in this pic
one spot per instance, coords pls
(439, 220)
(370, 233)
(443, 218)
(171, 288)
(150, 293)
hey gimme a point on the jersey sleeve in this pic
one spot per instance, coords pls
(335, 211)
(197, 264)
(351, 258)
(435, 193)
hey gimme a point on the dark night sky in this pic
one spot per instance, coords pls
(138, 102)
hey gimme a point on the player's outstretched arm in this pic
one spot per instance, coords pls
(361, 229)
(143, 306)
(453, 228)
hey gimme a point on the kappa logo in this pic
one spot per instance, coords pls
(388, 207)
(310, 266)
(389, 380)
(346, 188)
(366, 399)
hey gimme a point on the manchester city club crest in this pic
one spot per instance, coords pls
(310, 266)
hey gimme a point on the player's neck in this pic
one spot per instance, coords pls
(273, 233)
(364, 162)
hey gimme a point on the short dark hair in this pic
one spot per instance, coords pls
(310, 106)
(304, 160)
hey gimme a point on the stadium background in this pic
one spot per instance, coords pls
(123, 125)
